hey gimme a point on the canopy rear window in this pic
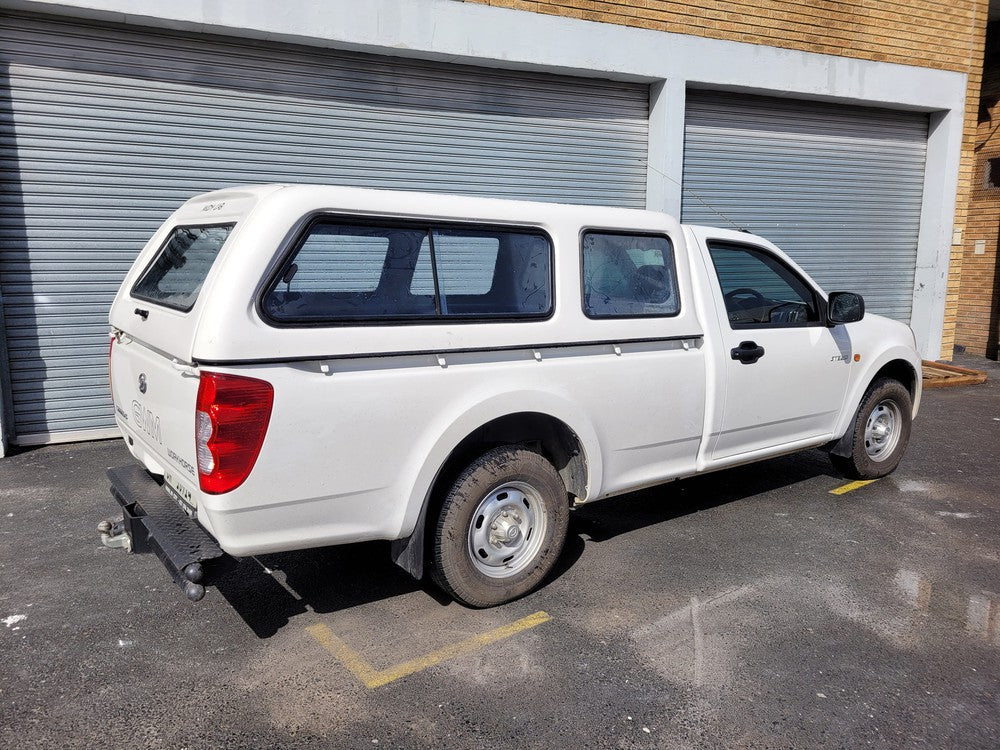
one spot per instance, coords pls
(178, 271)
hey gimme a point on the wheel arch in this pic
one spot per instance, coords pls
(901, 370)
(900, 365)
(554, 427)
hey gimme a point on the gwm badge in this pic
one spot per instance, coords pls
(142, 383)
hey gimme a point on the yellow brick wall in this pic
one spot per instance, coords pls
(927, 33)
(966, 181)
(979, 301)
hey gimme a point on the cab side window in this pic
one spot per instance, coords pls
(760, 290)
(628, 276)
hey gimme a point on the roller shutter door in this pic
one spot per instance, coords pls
(107, 129)
(838, 188)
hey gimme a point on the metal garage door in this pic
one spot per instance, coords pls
(107, 129)
(837, 187)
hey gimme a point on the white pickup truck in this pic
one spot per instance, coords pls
(295, 366)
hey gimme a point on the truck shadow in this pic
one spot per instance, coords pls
(268, 591)
(605, 520)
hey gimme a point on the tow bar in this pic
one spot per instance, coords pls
(152, 521)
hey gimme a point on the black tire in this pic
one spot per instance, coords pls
(872, 457)
(512, 480)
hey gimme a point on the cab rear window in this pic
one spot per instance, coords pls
(178, 271)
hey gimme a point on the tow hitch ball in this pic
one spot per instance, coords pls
(113, 534)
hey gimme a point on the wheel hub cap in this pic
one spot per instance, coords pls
(507, 529)
(881, 430)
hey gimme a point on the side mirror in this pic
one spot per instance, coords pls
(844, 307)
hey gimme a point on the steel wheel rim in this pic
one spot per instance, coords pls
(882, 430)
(507, 529)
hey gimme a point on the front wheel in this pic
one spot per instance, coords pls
(881, 431)
(501, 527)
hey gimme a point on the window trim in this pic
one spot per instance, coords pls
(160, 303)
(818, 297)
(618, 231)
(304, 225)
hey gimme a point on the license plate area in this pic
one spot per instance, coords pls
(180, 493)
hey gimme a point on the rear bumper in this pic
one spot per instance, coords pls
(155, 523)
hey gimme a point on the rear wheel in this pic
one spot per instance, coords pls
(881, 431)
(501, 527)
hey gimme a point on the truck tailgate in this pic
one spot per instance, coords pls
(155, 399)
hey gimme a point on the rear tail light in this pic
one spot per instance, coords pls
(230, 424)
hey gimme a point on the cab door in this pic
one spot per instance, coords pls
(785, 371)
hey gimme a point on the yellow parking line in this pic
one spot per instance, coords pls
(852, 486)
(374, 678)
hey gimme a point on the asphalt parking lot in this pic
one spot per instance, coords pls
(751, 608)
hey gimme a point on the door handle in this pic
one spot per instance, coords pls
(747, 352)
